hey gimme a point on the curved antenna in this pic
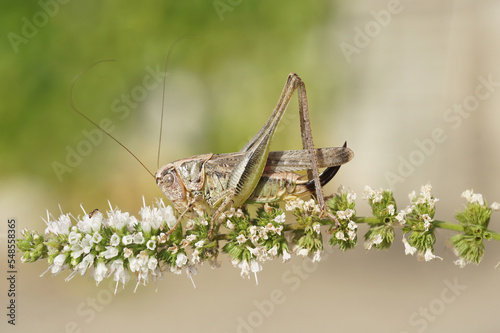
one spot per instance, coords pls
(163, 96)
(93, 122)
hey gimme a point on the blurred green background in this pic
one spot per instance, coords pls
(383, 83)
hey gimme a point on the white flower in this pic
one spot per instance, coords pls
(467, 194)
(87, 261)
(110, 252)
(425, 191)
(117, 219)
(341, 215)
(302, 252)
(150, 218)
(190, 224)
(340, 235)
(174, 248)
(127, 252)
(153, 263)
(477, 198)
(401, 217)
(191, 271)
(181, 260)
(495, 206)
(317, 228)
(351, 197)
(293, 204)
(280, 218)
(428, 256)
(263, 233)
(273, 251)
(351, 234)
(138, 238)
(367, 192)
(317, 256)
(472, 197)
(86, 243)
(199, 244)
(191, 238)
(59, 227)
(368, 244)
(134, 264)
(427, 221)
(391, 209)
(127, 239)
(151, 244)
(229, 225)
(100, 272)
(255, 267)
(352, 225)
(349, 213)
(255, 239)
(461, 262)
(408, 248)
(74, 237)
(96, 238)
(377, 239)
(120, 274)
(259, 252)
(230, 212)
(60, 259)
(76, 251)
(184, 243)
(286, 256)
(245, 269)
(132, 223)
(196, 257)
(253, 230)
(90, 224)
(374, 195)
(115, 240)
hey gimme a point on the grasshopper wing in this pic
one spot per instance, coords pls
(289, 160)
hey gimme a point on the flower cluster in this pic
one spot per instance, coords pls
(343, 206)
(474, 218)
(114, 246)
(121, 246)
(253, 241)
(307, 234)
(417, 221)
(383, 204)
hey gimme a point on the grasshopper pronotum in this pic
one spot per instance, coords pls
(218, 182)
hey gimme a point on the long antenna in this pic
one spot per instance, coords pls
(93, 122)
(164, 93)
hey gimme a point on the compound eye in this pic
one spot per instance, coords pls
(169, 179)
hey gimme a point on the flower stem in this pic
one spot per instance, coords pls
(439, 224)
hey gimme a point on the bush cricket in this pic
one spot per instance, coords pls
(218, 182)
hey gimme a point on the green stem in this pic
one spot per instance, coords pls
(437, 223)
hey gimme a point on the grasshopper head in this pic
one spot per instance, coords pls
(171, 185)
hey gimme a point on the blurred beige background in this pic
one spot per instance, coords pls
(382, 75)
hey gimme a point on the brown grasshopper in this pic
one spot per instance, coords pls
(252, 175)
